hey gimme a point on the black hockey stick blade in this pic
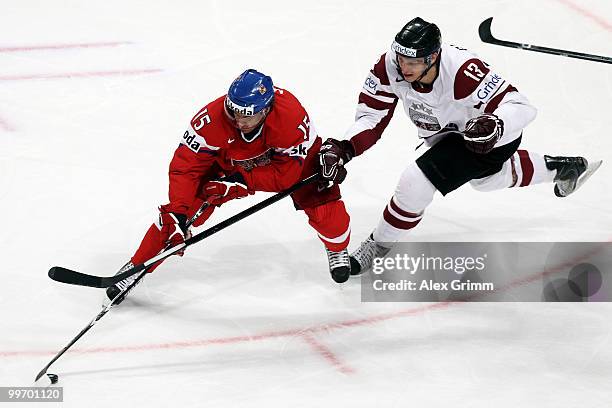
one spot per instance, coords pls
(484, 31)
(65, 275)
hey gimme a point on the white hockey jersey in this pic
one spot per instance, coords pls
(465, 88)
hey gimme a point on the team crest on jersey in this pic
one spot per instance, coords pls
(262, 89)
(422, 116)
(249, 164)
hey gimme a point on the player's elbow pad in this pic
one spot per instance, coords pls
(516, 116)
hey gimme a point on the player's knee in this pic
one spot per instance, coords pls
(484, 184)
(333, 212)
(501, 179)
(414, 192)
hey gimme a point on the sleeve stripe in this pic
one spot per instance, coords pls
(385, 99)
(375, 103)
(207, 151)
(387, 94)
(494, 103)
(380, 70)
(365, 139)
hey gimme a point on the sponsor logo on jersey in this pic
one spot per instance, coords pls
(488, 88)
(299, 150)
(370, 84)
(189, 140)
(400, 49)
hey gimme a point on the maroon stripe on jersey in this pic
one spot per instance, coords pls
(380, 70)
(468, 77)
(362, 141)
(387, 94)
(514, 175)
(403, 213)
(526, 166)
(397, 223)
(494, 103)
(374, 103)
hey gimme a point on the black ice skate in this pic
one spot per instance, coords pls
(339, 265)
(363, 257)
(121, 288)
(572, 172)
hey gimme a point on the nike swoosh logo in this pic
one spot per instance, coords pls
(230, 140)
(399, 79)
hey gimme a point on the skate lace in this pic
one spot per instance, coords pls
(366, 252)
(338, 259)
(125, 283)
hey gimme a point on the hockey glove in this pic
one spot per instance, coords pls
(482, 133)
(225, 189)
(173, 228)
(333, 155)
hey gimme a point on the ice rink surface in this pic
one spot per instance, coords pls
(94, 99)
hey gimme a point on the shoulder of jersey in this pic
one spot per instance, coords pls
(284, 119)
(383, 76)
(384, 69)
(465, 69)
(211, 124)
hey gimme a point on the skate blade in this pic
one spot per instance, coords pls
(591, 168)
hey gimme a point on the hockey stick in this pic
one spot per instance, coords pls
(484, 30)
(69, 276)
(108, 307)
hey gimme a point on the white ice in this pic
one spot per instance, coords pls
(250, 317)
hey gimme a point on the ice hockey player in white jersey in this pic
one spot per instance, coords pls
(470, 118)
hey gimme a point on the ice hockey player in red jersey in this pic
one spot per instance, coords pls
(256, 138)
(470, 119)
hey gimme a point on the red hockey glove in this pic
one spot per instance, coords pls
(333, 155)
(173, 228)
(217, 192)
(482, 133)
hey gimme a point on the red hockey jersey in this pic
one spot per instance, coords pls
(274, 161)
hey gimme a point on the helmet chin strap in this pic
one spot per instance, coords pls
(429, 66)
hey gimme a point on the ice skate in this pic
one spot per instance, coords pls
(339, 265)
(362, 259)
(120, 288)
(572, 172)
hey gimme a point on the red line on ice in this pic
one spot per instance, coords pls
(62, 46)
(327, 354)
(322, 328)
(79, 74)
(307, 332)
(597, 19)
